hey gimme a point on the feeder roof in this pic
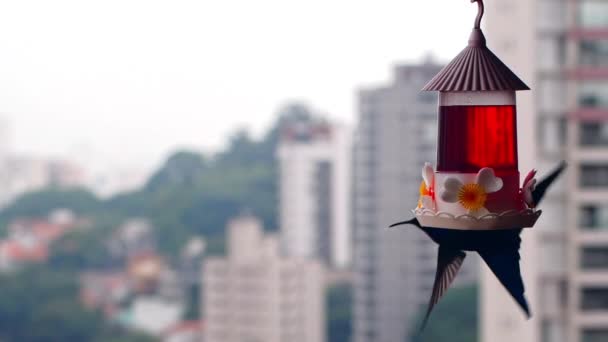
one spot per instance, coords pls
(476, 68)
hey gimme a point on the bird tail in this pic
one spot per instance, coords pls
(504, 263)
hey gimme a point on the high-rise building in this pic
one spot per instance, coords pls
(254, 294)
(560, 48)
(314, 162)
(394, 269)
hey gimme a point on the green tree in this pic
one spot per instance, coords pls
(454, 319)
(40, 203)
(339, 313)
(191, 194)
(193, 303)
(41, 305)
(182, 169)
(80, 250)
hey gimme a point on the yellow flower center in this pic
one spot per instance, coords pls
(424, 191)
(472, 196)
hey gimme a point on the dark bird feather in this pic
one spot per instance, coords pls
(449, 262)
(498, 248)
(504, 263)
(413, 221)
(541, 188)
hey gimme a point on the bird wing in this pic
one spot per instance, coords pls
(449, 261)
(504, 263)
(539, 190)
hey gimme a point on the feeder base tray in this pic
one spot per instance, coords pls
(507, 220)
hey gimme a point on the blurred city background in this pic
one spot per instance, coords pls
(226, 171)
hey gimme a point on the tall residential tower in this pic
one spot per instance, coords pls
(315, 180)
(561, 49)
(394, 269)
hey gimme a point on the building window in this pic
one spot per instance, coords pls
(593, 14)
(593, 134)
(593, 217)
(552, 257)
(594, 335)
(594, 258)
(551, 94)
(593, 175)
(563, 292)
(593, 94)
(551, 51)
(554, 15)
(593, 52)
(551, 133)
(552, 330)
(323, 214)
(594, 299)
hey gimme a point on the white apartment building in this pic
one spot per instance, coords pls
(315, 179)
(256, 295)
(560, 48)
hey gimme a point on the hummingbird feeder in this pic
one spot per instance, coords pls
(476, 183)
(473, 201)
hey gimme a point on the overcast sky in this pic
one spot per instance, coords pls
(131, 80)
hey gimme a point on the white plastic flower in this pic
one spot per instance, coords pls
(529, 186)
(472, 196)
(427, 188)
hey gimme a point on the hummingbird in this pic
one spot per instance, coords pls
(499, 249)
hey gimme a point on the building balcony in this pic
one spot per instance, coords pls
(592, 278)
(590, 154)
(589, 114)
(587, 73)
(592, 238)
(580, 33)
(591, 319)
(589, 195)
